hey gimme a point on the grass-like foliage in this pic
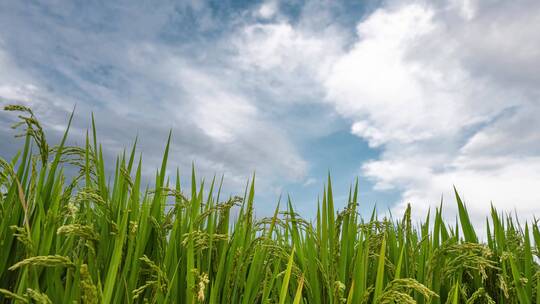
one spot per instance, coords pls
(93, 238)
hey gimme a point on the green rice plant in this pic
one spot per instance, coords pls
(93, 238)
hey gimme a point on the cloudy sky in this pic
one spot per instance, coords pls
(411, 97)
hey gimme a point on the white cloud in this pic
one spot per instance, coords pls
(417, 84)
(267, 9)
(280, 46)
(137, 83)
(395, 97)
(233, 135)
(448, 91)
(222, 114)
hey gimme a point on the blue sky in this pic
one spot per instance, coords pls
(410, 96)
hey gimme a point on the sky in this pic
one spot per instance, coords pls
(410, 97)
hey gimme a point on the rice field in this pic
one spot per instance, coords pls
(95, 238)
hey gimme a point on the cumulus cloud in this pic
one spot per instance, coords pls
(447, 90)
(267, 9)
(443, 89)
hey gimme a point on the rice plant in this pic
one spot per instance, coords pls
(85, 238)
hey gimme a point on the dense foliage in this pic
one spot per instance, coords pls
(85, 238)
